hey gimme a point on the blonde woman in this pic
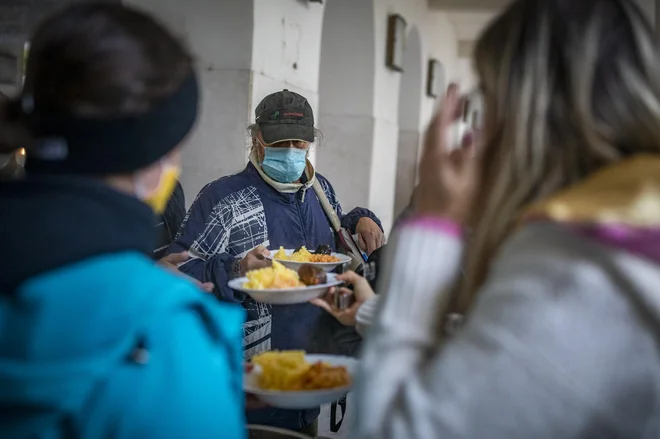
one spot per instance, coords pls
(562, 290)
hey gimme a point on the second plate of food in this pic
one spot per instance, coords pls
(297, 381)
(279, 285)
(322, 257)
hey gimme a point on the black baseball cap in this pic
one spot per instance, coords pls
(285, 115)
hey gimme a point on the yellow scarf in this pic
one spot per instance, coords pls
(625, 193)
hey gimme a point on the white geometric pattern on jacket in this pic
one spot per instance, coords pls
(237, 225)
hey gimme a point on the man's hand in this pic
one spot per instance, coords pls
(255, 259)
(172, 262)
(370, 236)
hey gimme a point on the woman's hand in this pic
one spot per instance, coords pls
(447, 178)
(172, 262)
(370, 235)
(362, 291)
(255, 260)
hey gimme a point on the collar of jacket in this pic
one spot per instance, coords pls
(625, 193)
(53, 221)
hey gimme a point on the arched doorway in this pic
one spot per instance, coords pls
(346, 99)
(410, 102)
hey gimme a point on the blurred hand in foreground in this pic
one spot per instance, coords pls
(447, 175)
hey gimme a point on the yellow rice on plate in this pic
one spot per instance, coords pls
(290, 371)
(303, 255)
(276, 276)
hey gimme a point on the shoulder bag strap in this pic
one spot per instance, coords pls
(344, 236)
(327, 208)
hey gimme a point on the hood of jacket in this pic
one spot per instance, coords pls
(76, 286)
(618, 207)
(50, 222)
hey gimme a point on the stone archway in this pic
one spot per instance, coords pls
(346, 99)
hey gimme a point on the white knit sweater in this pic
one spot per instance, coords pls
(562, 343)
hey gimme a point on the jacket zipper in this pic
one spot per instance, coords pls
(300, 219)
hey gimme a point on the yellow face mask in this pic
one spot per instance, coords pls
(158, 199)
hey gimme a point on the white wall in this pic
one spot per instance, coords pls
(220, 35)
(410, 106)
(346, 93)
(247, 49)
(438, 41)
(466, 77)
(286, 50)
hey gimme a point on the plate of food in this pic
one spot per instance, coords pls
(322, 257)
(279, 285)
(297, 381)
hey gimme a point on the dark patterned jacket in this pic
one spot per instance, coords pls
(233, 215)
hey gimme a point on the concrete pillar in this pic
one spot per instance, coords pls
(346, 93)
(245, 50)
(220, 35)
(410, 97)
(286, 51)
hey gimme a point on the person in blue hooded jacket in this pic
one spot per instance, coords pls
(97, 340)
(272, 203)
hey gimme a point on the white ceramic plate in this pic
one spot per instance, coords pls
(327, 266)
(307, 399)
(286, 296)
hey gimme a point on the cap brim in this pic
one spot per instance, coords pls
(281, 132)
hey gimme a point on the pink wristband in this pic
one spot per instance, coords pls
(436, 224)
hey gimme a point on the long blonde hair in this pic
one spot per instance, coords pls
(570, 86)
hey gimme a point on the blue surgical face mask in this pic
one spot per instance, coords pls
(284, 165)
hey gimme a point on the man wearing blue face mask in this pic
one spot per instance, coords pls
(271, 203)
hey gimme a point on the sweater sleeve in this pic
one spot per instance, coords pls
(421, 261)
(205, 234)
(533, 360)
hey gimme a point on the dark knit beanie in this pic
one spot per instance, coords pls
(71, 144)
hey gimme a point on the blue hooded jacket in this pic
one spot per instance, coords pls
(235, 214)
(97, 340)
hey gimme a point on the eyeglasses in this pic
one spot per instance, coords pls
(299, 144)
